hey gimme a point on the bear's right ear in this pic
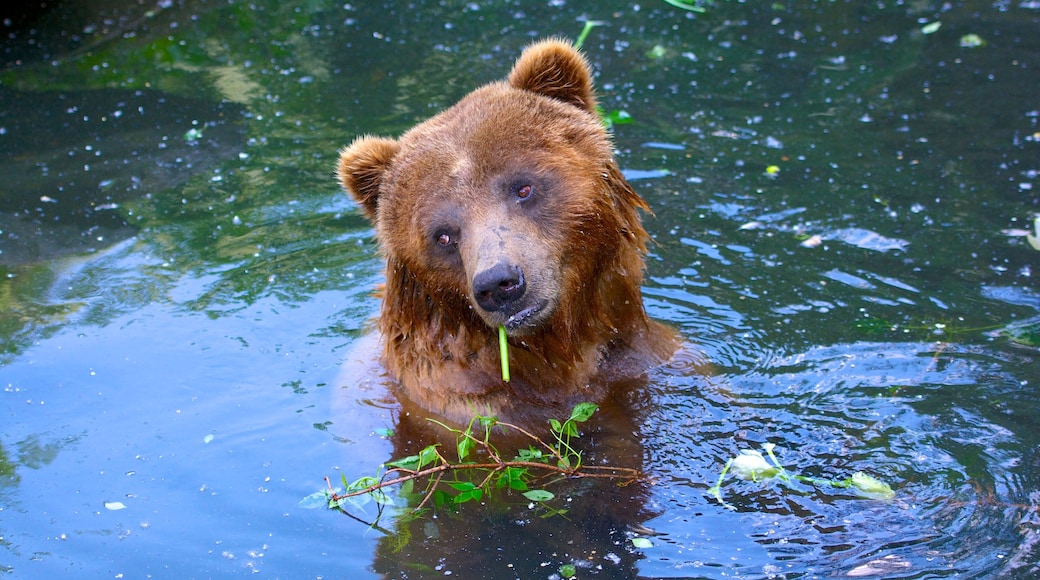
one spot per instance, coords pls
(362, 166)
(556, 69)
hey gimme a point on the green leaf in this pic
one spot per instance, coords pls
(539, 495)
(972, 41)
(549, 512)
(463, 485)
(315, 500)
(1025, 332)
(529, 454)
(464, 446)
(381, 498)
(872, 487)
(411, 463)
(357, 501)
(931, 28)
(515, 478)
(570, 429)
(582, 412)
(1034, 237)
(360, 483)
(441, 498)
(487, 422)
(407, 488)
(428, 456)
(467, 492)
(642, 543)
(342, 502)
(568, 570)
(555, 425)
(614, 118)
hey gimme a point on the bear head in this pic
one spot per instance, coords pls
(506, 209)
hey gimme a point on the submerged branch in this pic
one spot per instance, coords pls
(542, 462)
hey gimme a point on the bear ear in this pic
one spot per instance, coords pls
(556, 69)
(362, 166)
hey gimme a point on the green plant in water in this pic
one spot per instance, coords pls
(444, 482)
(609, 119)
(698, 6)
(612, 118)
(750, 465)
(589, 25)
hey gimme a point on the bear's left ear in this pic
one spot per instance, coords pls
(554, 68)
(362, 166)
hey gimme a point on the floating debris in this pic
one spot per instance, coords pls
(812, 242)
(972, 41)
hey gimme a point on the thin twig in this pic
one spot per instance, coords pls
(429, 494)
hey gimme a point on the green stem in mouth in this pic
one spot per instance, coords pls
(503, 349)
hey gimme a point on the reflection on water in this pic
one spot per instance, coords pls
(73, 158)
(832, 190)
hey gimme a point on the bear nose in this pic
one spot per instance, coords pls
(498, 286)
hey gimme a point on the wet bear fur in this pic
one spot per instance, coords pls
(508, 209)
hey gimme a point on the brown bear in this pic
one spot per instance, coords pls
(508, 209)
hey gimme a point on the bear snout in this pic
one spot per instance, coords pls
(498, 287)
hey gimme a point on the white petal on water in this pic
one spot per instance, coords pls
(749, 464)
(869, 240)
(883, 567)
(812, 242)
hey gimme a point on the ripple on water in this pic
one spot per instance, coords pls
(915, 415)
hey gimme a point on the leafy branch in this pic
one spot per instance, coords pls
(481, 469)
(751, 465)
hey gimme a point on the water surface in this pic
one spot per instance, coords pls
(841, 202)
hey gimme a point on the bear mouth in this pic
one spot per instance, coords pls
(518, 319)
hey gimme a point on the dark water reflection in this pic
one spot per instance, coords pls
(73, 157)
(868, 305)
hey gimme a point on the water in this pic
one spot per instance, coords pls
(177, 304)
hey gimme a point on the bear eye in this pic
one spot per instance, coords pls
(523, 191)
(446, 240)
